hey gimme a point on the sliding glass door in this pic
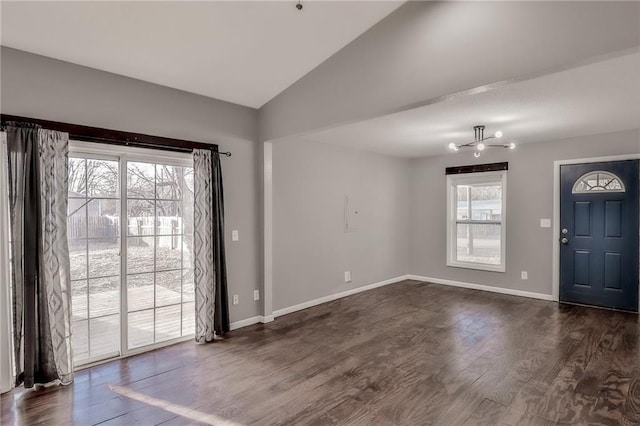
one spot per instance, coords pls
(159, 275)
(129, 229)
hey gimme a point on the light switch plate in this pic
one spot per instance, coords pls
(545, 223)
(347, 276)
(234, 235)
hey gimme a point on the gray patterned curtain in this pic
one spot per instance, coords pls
(39, 254)
(210, 271)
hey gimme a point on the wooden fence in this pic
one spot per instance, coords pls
(109, 227)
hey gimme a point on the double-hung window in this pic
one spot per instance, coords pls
(476, 220)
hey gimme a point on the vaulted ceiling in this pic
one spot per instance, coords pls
(245, 52)
(399, 78)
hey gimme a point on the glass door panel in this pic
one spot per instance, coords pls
(93, 232)
(158, 258)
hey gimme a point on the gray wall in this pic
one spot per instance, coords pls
(40, 87)
(392, 67)
(529, 198)
(311, 249)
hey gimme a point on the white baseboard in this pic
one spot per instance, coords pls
(489, 288)
(280, 312)
(250, 321)
(331, 297)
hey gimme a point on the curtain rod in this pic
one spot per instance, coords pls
(114, 137)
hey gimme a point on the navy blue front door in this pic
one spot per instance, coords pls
(599, 243)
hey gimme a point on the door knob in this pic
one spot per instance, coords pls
(564, 241)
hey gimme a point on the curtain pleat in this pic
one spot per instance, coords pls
(221, 314)
(40, 262)
(210, 277)
(55, 265)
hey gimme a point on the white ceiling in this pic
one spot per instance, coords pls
(244, 52)
(596, 98)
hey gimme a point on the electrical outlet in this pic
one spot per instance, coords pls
(524, 275)
(256, 294)
(347, 276)
(236, 299)
(234, 235)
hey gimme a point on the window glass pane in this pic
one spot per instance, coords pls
(80, 330)
(168, 322)
(168, 252)
(104, 296)
(478, 243)
(77, 218)
(140, 254)
(140, 180)
(462, 212)
(104, 218)
(169, 182)
(105, 335)
(104, 257)
(187, 247)
(187, 285)
(140, 293)
(78, 258)
(79, 296)
(77, 178)
(486, 202)
(140, 328)
(188, 318)
(102, 178)
(168, 217)
(140, 217)
(168, 286)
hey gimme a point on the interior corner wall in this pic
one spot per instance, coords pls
(311, 248)
(45, 88)
(529, 198)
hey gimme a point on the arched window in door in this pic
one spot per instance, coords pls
(598, 181)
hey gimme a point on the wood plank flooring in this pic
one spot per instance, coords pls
(410, 353)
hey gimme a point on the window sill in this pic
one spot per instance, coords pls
(477, 266)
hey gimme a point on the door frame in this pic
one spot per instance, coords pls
(555, 229)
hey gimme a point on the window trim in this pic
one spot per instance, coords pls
(474, 178)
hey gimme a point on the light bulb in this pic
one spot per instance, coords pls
(498, 134)
(453, 147)
(481, 146)
(476, 154)
(512, 145)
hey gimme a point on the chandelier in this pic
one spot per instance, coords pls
(479, 143)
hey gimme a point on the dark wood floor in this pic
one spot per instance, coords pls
(409, 353)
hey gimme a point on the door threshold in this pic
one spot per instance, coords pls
(606, 308)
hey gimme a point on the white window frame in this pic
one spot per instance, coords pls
(453, 181)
